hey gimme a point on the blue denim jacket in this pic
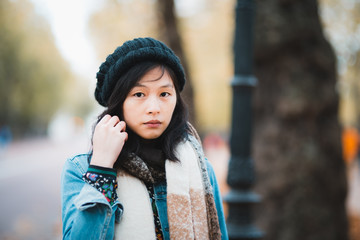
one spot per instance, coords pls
(87, 215)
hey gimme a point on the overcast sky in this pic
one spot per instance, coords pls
(68, 19)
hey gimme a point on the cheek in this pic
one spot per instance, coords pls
(126, 110)
(171, 109)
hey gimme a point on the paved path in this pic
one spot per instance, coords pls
(30, 187)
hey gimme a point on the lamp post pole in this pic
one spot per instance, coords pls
(240, 198)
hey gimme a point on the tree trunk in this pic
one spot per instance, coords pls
(297, 147)
(169, 33)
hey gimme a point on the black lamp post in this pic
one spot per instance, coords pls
(241, 175)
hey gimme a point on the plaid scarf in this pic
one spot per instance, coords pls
(190, 203)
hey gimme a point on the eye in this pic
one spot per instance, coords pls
(164, 94)
(138, 94)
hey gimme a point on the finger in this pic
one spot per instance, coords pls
(105, 118)
(120, 127)
(113, 121)
(125, 136)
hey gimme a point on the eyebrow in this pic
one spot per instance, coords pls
(164, 86)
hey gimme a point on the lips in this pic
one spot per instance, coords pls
(153, 123)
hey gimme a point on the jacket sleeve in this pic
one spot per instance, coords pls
(218, 201)
(86, 214)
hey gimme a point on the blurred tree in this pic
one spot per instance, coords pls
(32, 73)
(297, 141)
(170, 34)
(207, 31)
(117, 21)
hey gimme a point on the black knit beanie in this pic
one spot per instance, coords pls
(129, 54)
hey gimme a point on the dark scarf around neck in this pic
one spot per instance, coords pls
(149, 164)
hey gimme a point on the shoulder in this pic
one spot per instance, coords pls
(193, 140)
(211, 172)
(195, 144)
(78, 163)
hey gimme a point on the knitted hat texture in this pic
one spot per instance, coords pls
(129, 54)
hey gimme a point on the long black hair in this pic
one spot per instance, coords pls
(178, 127)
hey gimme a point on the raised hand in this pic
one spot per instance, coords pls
(108, 141)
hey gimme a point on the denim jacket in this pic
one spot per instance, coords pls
(87, 215)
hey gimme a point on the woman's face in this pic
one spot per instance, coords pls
(149, 106)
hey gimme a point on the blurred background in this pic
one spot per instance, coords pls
(306, 105)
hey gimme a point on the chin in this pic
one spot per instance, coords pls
(150, 136)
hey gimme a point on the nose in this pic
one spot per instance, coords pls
(153, 105)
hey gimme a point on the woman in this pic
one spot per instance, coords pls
(146, 176)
